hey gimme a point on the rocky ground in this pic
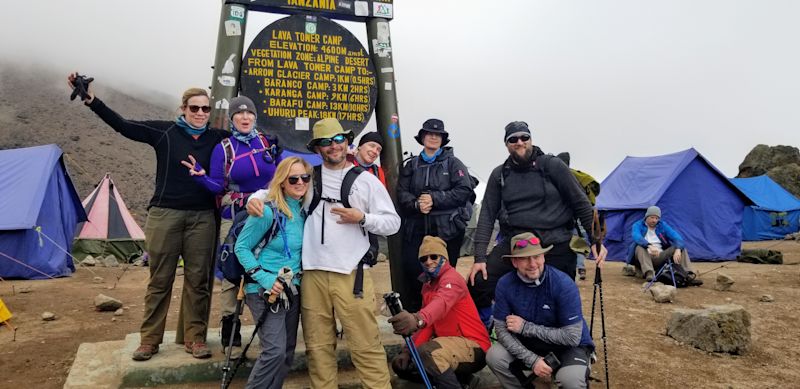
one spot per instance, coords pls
(640, 354)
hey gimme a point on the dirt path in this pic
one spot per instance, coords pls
(640, 354)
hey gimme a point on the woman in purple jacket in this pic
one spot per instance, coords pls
(240, 165)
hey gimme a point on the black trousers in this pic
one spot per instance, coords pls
(560, 257)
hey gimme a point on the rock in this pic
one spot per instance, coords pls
(75, 138)
(766, 298)
(24, 289)
(119, 312)
(382, 257)
(89, 261)
(111, 261)
(724, 282)
(179, 271)
(138, 262)
(719, 328)
(106, 303)
(97, 280)
(663, 293)
(781, 163)
(48, 316)
(629, 270)
(113, 319)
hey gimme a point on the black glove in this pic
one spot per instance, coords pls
(404, 323)
(81, 87)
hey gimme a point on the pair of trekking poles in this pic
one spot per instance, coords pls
(228, 372)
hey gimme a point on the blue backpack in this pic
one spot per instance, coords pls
(227, 262)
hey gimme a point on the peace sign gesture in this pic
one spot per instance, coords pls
(194, 168)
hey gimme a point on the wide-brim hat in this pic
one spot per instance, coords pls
(526, 244)
(434, 126)
(328, 128)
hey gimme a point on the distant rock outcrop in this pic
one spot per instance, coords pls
(781, 163)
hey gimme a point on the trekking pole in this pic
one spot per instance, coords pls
(226, 369)
(395, 306)
(598, 232)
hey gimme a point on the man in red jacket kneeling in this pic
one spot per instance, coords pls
(448, 333)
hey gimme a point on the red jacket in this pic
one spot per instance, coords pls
(448, 310)
(374, 169)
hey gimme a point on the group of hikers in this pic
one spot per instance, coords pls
(318, 226)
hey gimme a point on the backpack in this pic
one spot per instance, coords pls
(589, 185)
(681, 276)
(370, 258)
(271, 152)
(227, 261)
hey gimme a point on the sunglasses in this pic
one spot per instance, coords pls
(425, 258)
(295, 179)
(195, 108)
(339, 139)
(524, 243)
(514, 139)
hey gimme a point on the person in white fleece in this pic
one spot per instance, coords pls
(334, 242)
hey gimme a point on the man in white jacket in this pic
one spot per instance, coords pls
(334, 242)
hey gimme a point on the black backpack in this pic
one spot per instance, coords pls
(370, 258)
(682, 278)
(227, 262)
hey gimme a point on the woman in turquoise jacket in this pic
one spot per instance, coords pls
(278, 334)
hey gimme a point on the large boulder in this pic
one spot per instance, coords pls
(663, 293)
(719, 328)
(781, 163)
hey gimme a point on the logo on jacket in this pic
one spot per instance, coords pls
(546, 307)
(448, 286)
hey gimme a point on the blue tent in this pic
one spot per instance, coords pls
(40, 209)
(695, 198)
(775, 212)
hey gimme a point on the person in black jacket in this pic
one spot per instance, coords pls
(181, 218)
(530, 191)
(433, 192)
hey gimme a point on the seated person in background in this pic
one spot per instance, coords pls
(450, 336)
(654, 241)
(537, 311)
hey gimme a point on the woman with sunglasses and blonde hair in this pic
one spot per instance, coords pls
(240, 164)
(180, 218)
(268, 292)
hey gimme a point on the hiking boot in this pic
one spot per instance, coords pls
(648, 275)
(582, 274)
(145, 352)
(198, 350)
(236, 352)
(474, 382)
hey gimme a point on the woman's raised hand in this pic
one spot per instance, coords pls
(194, 168)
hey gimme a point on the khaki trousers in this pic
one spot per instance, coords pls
(649, 262)
(326, 294)
(170, 234)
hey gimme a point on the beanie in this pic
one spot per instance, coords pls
(432, 245)
(653, 211)
(239, 104)
(371, 137)
(515, 128)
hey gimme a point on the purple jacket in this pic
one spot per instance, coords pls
(249, 171)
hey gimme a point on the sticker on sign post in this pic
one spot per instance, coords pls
(233, 28)
(380, 10)
(237, 12)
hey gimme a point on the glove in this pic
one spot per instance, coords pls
(404, 323)
(402, 361)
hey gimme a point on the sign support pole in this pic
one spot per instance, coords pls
(227, 62)
(388, 124)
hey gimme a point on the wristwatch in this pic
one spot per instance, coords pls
(420, 322)
(363, 220)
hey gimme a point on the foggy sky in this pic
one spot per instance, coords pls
(601, 79)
